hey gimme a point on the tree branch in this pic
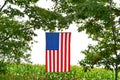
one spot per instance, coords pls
(3, 5)
(26, 28)
(116, 11)
(6, 38)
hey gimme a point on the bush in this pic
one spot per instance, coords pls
(37, 72)
(3, 67)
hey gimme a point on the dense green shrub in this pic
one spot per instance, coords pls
(3, 67)
(37, 72)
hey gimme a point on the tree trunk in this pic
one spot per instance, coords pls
(114, 41)
(116, 71)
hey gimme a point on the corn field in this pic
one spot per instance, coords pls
(37, 72)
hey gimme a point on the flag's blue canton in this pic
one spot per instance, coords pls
(52, 41)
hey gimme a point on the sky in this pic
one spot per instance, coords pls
(79, 41)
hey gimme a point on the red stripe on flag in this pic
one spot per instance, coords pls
(65, 49)
(46, 61)
(50, 61)
(69, 52)
(61, 49)
(53, 60)
(57, 61)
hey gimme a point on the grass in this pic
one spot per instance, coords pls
(37, 72)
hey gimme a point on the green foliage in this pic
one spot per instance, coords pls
(22, 3)
(94, 16)
(3, 67)
(103, 52)
(14, 40)
(100, 20)
(47, 20)
(37, 72)
(16, 33)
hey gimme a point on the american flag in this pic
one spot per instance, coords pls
(58, 51)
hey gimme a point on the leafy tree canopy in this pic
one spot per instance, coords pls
(101, 21)
(16, 34)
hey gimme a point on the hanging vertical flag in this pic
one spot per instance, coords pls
(58, 51)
